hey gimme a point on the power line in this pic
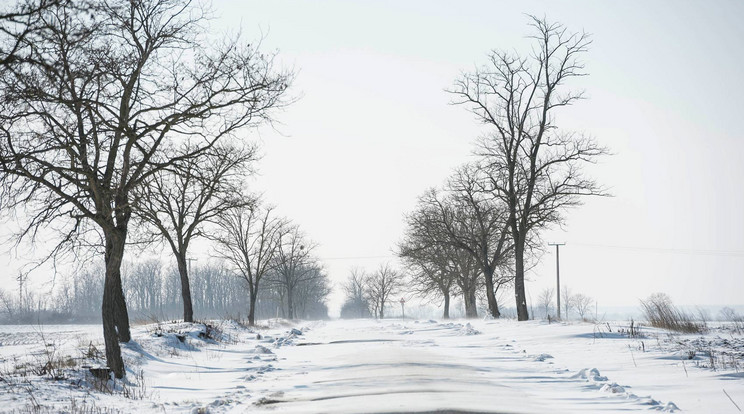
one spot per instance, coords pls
(390, 256)
(671, 250)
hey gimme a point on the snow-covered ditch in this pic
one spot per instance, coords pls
(375, 366)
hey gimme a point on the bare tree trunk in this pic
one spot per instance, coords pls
(110, 337)
(446, 314)
(183, 271)
(114, 309)
(252, 309)
(290, 303)
(519, 293)
(382, 310)
(471, 310)
(493, 306)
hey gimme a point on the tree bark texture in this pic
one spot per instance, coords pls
(114, 309)
(446, 314)
(183, 271)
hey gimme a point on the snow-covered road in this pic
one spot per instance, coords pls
(370, 366)
(395, 366)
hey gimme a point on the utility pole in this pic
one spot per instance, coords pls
(21, 281)
(190, 260)
(558, 274)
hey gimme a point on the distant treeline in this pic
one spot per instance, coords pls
(153, 292)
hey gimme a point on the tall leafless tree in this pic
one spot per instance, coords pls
(92, 102)
(582, 304)
(143, 283)
(480, 227)
(356, 304)
(311, 293)
(248, 241)
(430, 268)
(293, 264)
(381, 286)
(545, 301)
(568, 300)
(178, 202)
(466, 218)
(534, 167)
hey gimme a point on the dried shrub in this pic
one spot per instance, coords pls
(660, 312)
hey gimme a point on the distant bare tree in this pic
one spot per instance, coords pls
(568, 299)
(355, 293)
(545, 301)
(463, 218)
(381, 286)
(429, 263)
(293, 264)
(311, 293)
(248, 241)
(92, 102)
(177, 202)
(143, 283)
(582, 304)
(534, 168)
(728, 314)
(485, 236)
(6, 303)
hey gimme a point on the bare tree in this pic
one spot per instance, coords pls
(484, 221)
(429, 263)
(248, 241)
(545, 301)
(582, 303)
(143, 283)
(381, 286)
(293, 264)
(6, 303)
(311, 293)
(569, 300)
(180, 200)
(91, 105)
(533, 167)
(464, 217)
(16, 25)
(728, 314)
(355, 291)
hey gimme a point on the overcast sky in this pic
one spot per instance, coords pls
(372, 130)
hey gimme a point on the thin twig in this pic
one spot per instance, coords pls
(732, 400)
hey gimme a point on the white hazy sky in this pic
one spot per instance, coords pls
(373, 129)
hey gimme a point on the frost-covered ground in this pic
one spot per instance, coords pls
(367, 366)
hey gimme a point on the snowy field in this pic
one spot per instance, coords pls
(368, 366)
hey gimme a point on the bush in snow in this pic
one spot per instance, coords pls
(661, 313)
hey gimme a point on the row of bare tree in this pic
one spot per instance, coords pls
(578, 302)
(153, 291)
(115, 113)
(367, 294)
(482, 228)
